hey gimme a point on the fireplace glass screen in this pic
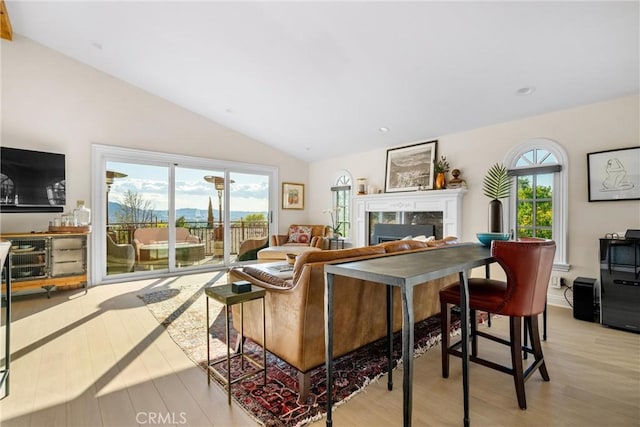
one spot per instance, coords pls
(405, 218)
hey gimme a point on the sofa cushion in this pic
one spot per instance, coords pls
(299, 234)
(332, 255)
(402, 245)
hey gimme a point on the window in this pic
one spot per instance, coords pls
(538, 202)
(160, 213)
(341, 200)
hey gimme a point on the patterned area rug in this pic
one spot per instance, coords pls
(182, 312)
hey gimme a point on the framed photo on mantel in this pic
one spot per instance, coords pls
(410, 168)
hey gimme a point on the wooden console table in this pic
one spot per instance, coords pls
(47, 260)
(406, 271)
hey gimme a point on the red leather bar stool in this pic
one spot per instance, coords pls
(527, 265)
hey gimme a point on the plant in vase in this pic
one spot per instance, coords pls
(440, 168)
(496, 186)
(334, 228)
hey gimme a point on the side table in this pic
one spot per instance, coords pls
(336, 243)
(226, 296)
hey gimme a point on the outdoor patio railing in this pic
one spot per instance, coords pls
(239, 231)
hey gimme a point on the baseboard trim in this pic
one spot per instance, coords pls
(558, 301)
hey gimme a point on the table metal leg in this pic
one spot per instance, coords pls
(544, 322)
(226, 320)
(328, 338)
(208, 345)
(241, 336)
(407, 353)
(4, 382)
(264, 341)
(390, 336)
(487, 274)
(464, 323)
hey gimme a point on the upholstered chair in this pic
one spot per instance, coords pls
(527, 265)
(120, 257)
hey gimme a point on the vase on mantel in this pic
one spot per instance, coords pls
(441, 181)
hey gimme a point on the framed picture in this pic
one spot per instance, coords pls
(614, 174)
(410, 168)
(292, 195)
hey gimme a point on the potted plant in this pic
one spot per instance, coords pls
(335, 223)
(440, 168)
(496, 186)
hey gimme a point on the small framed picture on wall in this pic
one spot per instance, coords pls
(292, 195)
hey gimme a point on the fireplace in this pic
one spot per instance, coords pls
(439, 208)
(386, 232)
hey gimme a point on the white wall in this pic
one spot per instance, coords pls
(53, 103)
(590, 128)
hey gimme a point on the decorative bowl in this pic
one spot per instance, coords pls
(487, 238)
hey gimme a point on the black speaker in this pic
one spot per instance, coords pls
(583, 290)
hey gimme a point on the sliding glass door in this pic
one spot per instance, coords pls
(137, 217)
(158, 216)
(249, 210)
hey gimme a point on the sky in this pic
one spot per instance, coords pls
(248, 192)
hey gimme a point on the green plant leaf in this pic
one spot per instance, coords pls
(497, 184)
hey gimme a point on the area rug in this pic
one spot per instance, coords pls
(182, 312)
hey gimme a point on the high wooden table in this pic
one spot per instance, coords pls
(406, 271)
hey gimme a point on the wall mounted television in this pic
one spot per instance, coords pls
(31, 181)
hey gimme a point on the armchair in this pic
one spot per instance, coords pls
(249, 248)
(301, 235)
(120, 257)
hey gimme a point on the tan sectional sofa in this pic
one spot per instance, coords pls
(295, 306)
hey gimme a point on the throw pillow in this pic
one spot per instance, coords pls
(423, 238)
(299, 234)
(267, 277)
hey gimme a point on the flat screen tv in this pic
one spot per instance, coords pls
(31, 181)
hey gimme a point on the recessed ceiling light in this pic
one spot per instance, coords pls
(527, 90)
(383, 129)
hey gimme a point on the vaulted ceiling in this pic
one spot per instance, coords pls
(322, 79)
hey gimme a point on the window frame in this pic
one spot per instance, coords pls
(560, 194)
(101, 154)
(348, 203)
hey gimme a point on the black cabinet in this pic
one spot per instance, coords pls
(620, 283)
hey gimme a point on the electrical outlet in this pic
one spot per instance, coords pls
(555, 282)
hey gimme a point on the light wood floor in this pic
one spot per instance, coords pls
(101, 359)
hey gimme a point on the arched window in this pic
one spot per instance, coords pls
(539, 201)
(341, 201)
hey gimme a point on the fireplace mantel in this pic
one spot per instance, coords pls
(449, 202)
